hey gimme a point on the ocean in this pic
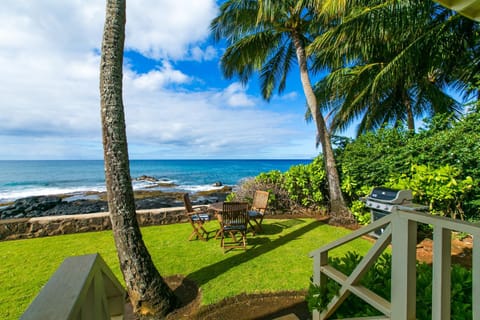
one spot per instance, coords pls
(25, 178)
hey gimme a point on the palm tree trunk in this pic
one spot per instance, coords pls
(147, 291)
(338, 209)
(408, 106)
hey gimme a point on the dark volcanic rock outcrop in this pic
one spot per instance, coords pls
(56, 205)
(50, 206)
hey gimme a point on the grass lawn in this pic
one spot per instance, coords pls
(275, 260)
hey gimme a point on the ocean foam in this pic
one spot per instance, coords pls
(15, 194)
(80, 192)
(199, 188)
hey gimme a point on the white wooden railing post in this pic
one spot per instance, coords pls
(442, 261)
(476, 276)
(401, 228)
(319, 279)
(404, 242)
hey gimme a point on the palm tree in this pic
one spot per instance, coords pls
(268, 37)
(147, 291)
(387, 62)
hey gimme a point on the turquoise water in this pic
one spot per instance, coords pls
(19, 179)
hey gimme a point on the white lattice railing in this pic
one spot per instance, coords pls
(82, 288)
(400, 230)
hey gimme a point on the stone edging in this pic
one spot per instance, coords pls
(26, 228)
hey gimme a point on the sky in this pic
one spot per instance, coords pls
(178, 104)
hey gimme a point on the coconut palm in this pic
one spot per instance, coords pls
(268, 37)
(388, 65)
(147, 291)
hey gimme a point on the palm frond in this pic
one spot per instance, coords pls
(247, 55)
(273, 69)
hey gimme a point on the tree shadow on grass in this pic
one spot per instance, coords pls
(278, 227)
(267, 229)
(210, 272)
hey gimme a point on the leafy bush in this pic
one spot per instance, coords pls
(441, 164)
(378, 280)
(440, 188)
(278, 200)
(360, 212)
(375, 158)
(371, 159)
(306, 183)
(301, 187)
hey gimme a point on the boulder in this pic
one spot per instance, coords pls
(30, 207)
(146, 178)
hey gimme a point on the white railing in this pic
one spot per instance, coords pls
(400, 230)
(82, 288)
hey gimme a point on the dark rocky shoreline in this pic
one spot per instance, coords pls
(41, 206)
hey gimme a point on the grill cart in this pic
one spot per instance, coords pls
(383, 201)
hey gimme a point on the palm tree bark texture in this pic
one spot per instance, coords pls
(149, 295)
(337, 203)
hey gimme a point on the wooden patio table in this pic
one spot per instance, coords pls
(217, 209)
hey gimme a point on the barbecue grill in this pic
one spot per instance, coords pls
(383, 201)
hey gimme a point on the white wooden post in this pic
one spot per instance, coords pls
(442, 239)
(320, 259)
(404, 240)
(476, 276)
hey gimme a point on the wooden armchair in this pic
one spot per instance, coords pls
(234, 221)
(258, 209)
(197, 219)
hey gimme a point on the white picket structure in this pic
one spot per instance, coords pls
(400, 230)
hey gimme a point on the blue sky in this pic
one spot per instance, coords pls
(177, 103)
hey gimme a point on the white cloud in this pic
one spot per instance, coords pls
(199, 54)
(49, 96)
(289, 96)
(167, 29)
(235, 95)
(199, 122)
(158, 78)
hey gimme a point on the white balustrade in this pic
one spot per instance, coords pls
(400, 230)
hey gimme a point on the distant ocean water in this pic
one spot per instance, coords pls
(24, 178)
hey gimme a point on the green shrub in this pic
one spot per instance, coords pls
(371, 159)
(306, 183)
(374, 158)
(360, 212)
(300, 187)
(440, 188)
(272, 181)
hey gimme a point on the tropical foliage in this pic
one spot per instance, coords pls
(392, 61)
(439, 188)
(268, 37)
(302, 187)
(440, 165)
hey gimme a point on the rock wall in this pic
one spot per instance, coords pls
(11, 229)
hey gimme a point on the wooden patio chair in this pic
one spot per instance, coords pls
(258, 209)
(234, 221)
(197, 218)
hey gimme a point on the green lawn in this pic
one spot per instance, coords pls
(275, 260)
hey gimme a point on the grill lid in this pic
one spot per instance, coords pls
(392, 196)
